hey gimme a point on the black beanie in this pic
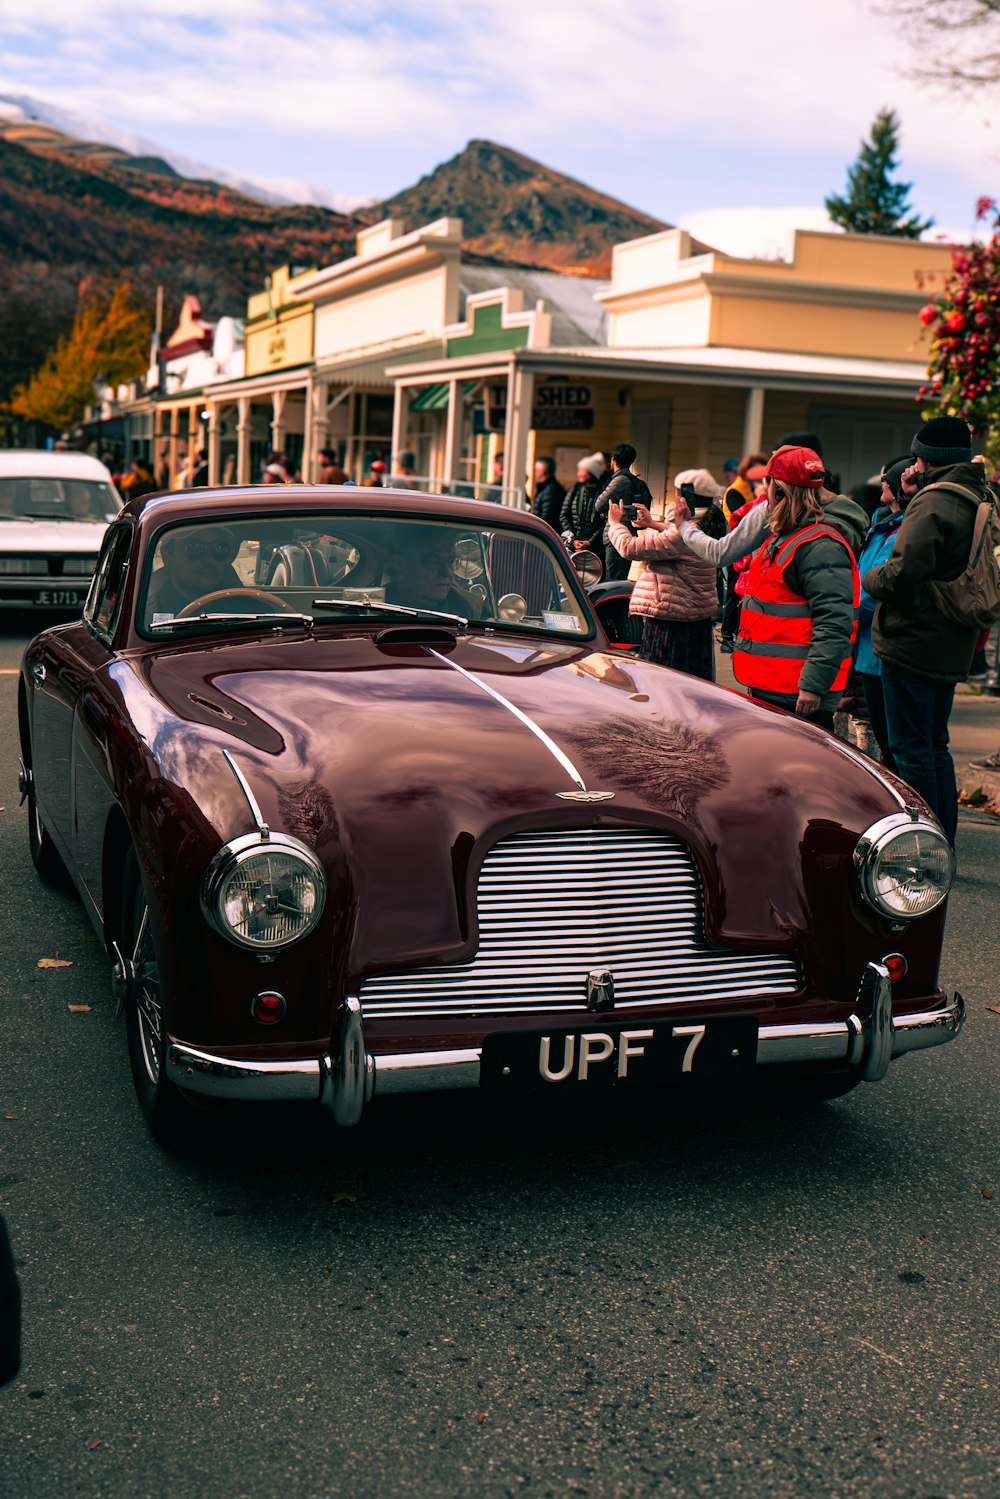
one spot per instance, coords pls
(893, 476)
(944, 440)
(801, 440)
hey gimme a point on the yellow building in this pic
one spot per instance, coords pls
(704, 356)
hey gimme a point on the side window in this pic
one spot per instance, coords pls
(109, 580)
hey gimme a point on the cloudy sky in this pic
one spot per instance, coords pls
(673, 106)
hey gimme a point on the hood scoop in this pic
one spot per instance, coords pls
(410, 635)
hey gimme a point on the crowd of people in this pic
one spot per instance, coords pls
(830, 603)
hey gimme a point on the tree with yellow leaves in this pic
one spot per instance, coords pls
(110, 338)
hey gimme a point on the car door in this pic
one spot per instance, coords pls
(92, 780)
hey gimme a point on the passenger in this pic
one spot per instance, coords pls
(195, 563)
(79, 503)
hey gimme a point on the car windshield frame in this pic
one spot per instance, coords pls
(62, 488)
(315, 519)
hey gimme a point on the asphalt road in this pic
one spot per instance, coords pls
(466, 1299)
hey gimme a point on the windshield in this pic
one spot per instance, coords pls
(339, 567)
(57, 499)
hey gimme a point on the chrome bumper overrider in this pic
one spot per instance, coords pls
(349, 1077)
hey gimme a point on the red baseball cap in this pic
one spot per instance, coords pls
(378, 467)
(758, 471)
(799, 466)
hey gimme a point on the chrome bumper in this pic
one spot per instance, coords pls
(349, 1077)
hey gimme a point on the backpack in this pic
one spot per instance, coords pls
(973, 598)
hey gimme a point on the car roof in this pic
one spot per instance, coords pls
(27, 463)
(198, 504)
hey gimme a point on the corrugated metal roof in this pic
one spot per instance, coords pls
(759, 361)
(576, 317)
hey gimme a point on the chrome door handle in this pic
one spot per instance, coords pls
(38, 674)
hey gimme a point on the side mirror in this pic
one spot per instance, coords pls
(512, 608)
(588, 567)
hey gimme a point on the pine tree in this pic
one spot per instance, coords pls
(873, 204)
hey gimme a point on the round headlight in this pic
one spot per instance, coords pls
(264, 892)
(906, 866)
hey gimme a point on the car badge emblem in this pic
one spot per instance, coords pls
(600, 989)
(585, 796)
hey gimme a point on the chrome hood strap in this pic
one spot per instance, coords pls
(529, 723)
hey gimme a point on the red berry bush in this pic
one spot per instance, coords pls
(963, 377)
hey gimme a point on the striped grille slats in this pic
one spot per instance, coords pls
(552, 906)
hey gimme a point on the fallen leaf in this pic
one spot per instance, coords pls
(339, 1197)
(99, 1443)
(994, 1008)
(988, 1192)
(54, 963)
(482, 1417)
(79, 1009)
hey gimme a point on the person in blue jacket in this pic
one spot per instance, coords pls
(878, 545)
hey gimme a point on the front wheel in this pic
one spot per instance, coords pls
(44, 854)
(165, 1109)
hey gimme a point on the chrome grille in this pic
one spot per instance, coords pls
(552, 906)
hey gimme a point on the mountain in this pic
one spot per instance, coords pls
(515, 209)
(68, 216)
(74, 210)
(24, 120)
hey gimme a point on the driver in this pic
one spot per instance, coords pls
(195, 562)
(423, 577)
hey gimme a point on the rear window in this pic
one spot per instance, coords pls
(53, 498)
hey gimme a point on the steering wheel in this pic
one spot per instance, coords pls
(236, 593)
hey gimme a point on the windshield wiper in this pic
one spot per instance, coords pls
(373, 606)
(200, 621)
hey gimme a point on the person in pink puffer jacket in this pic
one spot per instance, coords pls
(676, 593)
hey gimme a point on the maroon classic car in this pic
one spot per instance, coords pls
(361, 801)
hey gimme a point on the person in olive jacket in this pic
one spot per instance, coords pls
(923, 653)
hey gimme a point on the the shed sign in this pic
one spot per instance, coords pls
(563, 406)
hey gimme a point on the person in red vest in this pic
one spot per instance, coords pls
(799, 618)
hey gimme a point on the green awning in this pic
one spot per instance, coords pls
(435, 397)
(431, 398)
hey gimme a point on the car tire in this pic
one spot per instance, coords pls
(45, 856)
(166, 1111)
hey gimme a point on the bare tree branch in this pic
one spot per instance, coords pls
(958, 41)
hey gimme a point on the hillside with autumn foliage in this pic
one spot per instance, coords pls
(80, 219)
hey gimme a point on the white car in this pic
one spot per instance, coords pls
(54, 511)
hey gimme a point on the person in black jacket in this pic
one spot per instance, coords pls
(625, 488)
(549, 494)
(924, 653)
(578, 518)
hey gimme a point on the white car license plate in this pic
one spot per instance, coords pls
(60, 598)
(624, 1053)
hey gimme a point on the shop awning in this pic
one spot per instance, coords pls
(431, 398)
(435, 397)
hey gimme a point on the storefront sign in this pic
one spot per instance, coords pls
(563, 406)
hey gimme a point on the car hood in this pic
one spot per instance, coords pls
(401, 762)
(43, 536)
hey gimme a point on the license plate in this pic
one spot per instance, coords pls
(624, 1054)
(59, 598)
